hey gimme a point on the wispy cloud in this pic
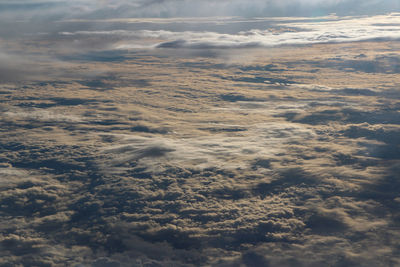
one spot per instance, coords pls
(50, 10)
(173, 8)
(276, 32)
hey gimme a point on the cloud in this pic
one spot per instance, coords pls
(18, 64)
(161, 157)
(14, 68)
(329, 30)
(348, 115)
(175, 8)
(153, 152)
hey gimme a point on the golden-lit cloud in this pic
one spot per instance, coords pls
(219, 141)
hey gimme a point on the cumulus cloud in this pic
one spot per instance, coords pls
(287, 156)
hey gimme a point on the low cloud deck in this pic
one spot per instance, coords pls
(286, 156)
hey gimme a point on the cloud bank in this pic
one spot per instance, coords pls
(277, 33)
(291, 159)
(223, 141)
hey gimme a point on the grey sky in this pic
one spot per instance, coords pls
(181, 8)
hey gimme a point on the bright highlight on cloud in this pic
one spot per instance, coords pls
(276, 32)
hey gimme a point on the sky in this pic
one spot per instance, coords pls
(199, 133)
(186, 8)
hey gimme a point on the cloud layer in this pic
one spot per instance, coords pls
(276, 33)
(176, 8)
(289, 159)
(223, 141)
